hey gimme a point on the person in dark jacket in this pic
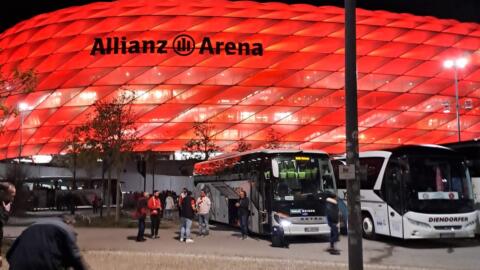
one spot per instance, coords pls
(7, 194)
(46, 245)
(332, 219)
(243, 213)
(142, 208)
(187, 214)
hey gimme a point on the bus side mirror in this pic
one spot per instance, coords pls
(275, 170)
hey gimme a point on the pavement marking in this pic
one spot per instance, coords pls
(329, 265)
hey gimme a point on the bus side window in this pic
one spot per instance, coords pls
(369, 170)
(341, 183)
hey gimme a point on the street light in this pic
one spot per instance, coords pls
(22, 106)
(456, 64)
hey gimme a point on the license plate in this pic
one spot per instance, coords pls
(447, 235)
(311, 229)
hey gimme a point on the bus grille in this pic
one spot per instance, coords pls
(308, 220)
(458, 227)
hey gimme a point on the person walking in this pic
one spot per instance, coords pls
(203, 208)
(155, 206)
(187, 214)
(332, 219)
(47, 245)
(243, 213)
(141, 216)
(169, 205)
(7, 194)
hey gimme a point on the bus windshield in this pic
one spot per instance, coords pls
(301, 177)
(433, 179)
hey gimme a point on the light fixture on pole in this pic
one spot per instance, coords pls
(456, 64)
(22, 106)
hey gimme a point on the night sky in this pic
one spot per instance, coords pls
(462, 10)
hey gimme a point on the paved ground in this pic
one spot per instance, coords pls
(224, 241)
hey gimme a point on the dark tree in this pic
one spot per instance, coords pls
(242, 146)
(112, 134)
(273, 139)
(203, 145)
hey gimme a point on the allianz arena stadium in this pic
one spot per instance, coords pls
(246, 68)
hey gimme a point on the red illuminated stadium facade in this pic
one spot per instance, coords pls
(295, 86)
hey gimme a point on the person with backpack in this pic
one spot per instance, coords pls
(187, 214)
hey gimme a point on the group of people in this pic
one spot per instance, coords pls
(148, 205)
(52, 244)
(187, 207)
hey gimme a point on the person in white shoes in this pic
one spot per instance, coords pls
(203, 208)
(187, 214)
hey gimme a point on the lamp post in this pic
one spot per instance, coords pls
(22, 106)
(456, 64)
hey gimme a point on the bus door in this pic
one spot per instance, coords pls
(266, 192)
(255, 202)
(393, 185)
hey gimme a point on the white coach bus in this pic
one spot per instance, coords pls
(413, 192)
(287, 190)
(471, 151)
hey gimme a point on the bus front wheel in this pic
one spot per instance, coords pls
(368, 228)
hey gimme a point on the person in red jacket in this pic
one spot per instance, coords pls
(155, 206)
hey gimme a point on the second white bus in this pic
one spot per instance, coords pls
(414, 192)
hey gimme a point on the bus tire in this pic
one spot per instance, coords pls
(368, 227)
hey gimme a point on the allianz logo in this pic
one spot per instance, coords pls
(182, 45)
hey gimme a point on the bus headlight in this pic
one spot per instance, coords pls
(276, 218)
(285, 223)
(418, 223)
